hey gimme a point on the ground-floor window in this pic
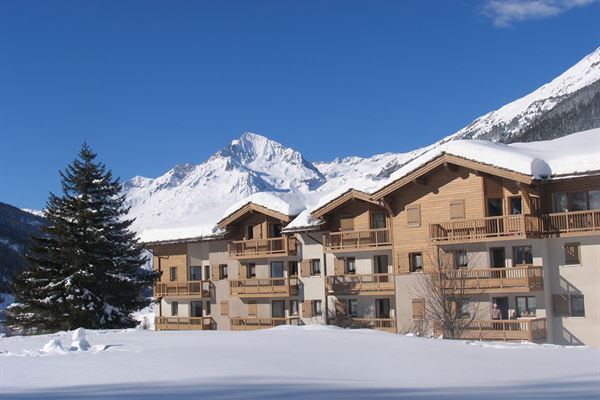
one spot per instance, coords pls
(526, 306)
(569, 305)
(174, 309)
(196, 309)
(278, 309)
(294, 307)
(317, 310)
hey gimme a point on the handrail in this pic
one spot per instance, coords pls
(186, 288)
(357, 239)
(252, 323)
(488, 227)
(360, 283)
(264, 286)
(183, 323)
(530, 329)
(522, 276)
(572, 221)
(254, 247)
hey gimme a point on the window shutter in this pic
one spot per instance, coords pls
(225, 309)
(572, 253)
(413, 215)
(339, 266)
(560, 304)
(252, 309)
(215, 272)
(242, 271)
(457, 209)
(346, 223)
(307, 309)
(418, 309)
(305, 268)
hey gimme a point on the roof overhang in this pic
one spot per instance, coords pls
(349, 195)
(251, 208)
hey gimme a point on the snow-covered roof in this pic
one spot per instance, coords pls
(290, 204)
(188, 233)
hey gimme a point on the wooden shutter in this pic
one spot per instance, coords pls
(225, 309)
(252, 309)
(215, 272)
(572, 253)
(242, 271)
(307, 309)
(257, 231)
(457, 209)
(418, 309)
(346, 223)
(339, 266)
(560, 304)
(413, 215)
(305, 268)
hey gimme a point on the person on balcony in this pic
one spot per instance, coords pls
(496, 315)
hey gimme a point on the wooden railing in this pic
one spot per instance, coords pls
(183, 289)
(508, 226)
(183, 323)
(572, 222)
(360, 284)
(284, 246)
(254, 323)
(264, 287)
(382, 324)
(517, 279)
(357, 240)
(529, 329)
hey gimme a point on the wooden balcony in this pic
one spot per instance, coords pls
(201, 289)
(184, 323)
(381, 324)
(267, 287)
(525, 278)
(508, 227)
(253, 323)
(367, 239)
(371, 284)
(528, 329)
(572, 223)
(257, 248)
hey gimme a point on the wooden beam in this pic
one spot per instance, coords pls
(450, 167)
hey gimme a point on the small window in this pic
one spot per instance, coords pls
(594, 199)
(274, 230)
(378, 220)
(577, 307)
(294, 307)
(494, 207)
(315, 266)
(223, 271)
(352, 307)
(415, 262)
(224, 308)
(350, 265)
(578, 201)
(457, 209)
(413, 215)
(522, 255)
(249, 232)
(250, 270)
(560, 202)
(346, 223)
(526, 306)
(460, 258)
(465, 307)
(195, 273)
(174, 309)
(560, 304)
(380, 264)
(293, 268)
(569, 305)
(317, 310)
(418, 309)
(572, 254)
(516, 205)
(173, 274)
(196, 308)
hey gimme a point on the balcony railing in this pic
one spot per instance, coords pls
(381, 324)
(532, 330)
(361, 284)
(572, 222)
(254, 248)
(474, 230)
(517, 279)
(357, 240)
(183, 323)
(183, 289)
(253, 323)
(267, 287)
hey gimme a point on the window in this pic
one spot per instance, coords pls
(350, 265)
(195, 273)
(572, 254)
(317, 311)
(522, 255)
(381, 264)
(418, 309)
(568, 305)
(208, 308)
(413, 215)
(560, 202)
(174, 309)
(315, 266)
(526, 306)
(594, 199)
(293, 268)
(457, 209)
(382, 308)
(294, 307)
(498, 257)
(274, 230)
(207, 272)
(196, 309)
(465, 307)
(578, 201)
(249, 232)
(346, 223)
(351, 307)
(250, 270)
(173, 274)
(415, 262)
(378, 220)
(223, 271)
(224, 308)
(494, 207)
(460, 259)
(277, 269)
(516, 205)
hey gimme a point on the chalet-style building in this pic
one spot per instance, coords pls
(518, 230)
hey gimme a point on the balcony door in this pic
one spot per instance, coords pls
(381, 264)
(274, 230)
(502, 303)
(378, 220)
(195, 273)
(498, 257)
(382, 308)
(278, 309)
(196, 309)
(277, 273)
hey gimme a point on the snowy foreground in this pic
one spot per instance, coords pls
(311, 362)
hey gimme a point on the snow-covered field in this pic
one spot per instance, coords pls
(311, 362)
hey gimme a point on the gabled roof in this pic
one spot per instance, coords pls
(350, 194)
(250, 208)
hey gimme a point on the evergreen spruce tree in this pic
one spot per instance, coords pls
(85, 269)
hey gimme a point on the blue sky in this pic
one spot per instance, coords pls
(149, 84)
